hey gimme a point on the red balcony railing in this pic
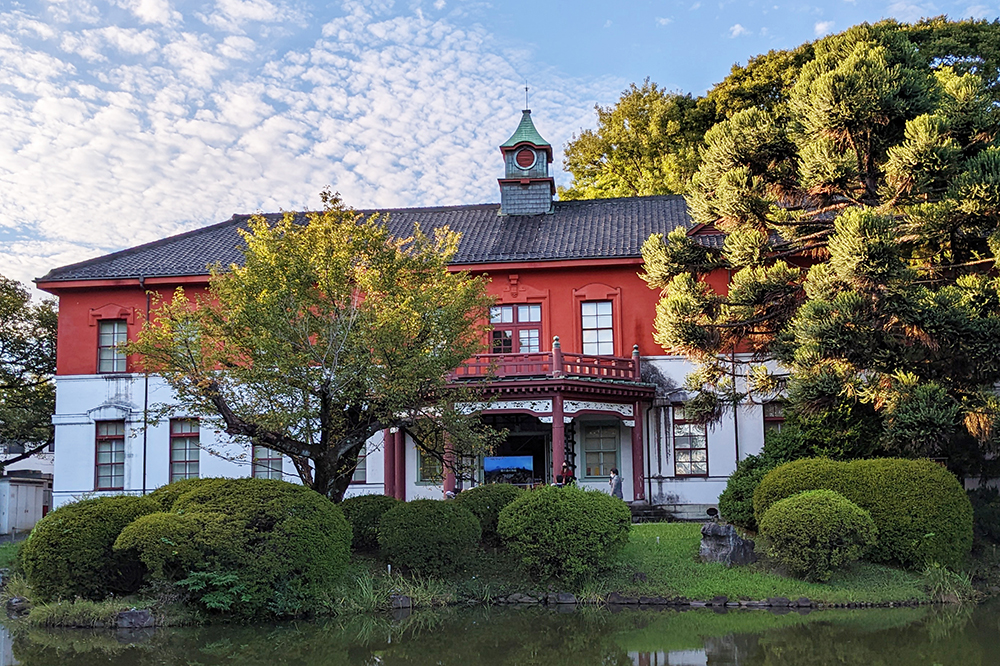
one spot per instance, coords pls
(550, 364)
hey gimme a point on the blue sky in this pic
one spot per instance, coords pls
(123, 121)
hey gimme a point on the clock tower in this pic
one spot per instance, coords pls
(526, 188)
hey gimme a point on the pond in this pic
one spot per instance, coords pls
(969, 636)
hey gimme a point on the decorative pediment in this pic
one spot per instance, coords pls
(112, 311)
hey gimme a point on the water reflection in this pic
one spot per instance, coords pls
(537, 636)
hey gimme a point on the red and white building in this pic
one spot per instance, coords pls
(580, 379)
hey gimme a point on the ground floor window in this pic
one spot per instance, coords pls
(361, 471)
(266, 463)
(184, 449)
(110, 455)
(690, 445)
(430, 469)
(774, 416)
(600, 449)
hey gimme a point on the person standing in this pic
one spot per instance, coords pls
(616, 483)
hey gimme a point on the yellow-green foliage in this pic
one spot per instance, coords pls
(69, 553)
(167, 495)
(565, 533)
(486, 502)
(364, 512)
(922, 513)
(164, 542)
(816, 532)
(429, 536)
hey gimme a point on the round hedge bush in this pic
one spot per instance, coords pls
(70, 552)
(922, 513)
(166, 496)
(287, 544)
(364, 512)
(163, 542)
(564, 533)
(816, 532)
(429, 536)
(486, 502)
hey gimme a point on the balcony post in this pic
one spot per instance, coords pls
(635, 364)
(389, 461)
(557, 359)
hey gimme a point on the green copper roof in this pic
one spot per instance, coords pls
(525, 132)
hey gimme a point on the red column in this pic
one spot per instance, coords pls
(638, 459)
(400, 464)
(389, 461)
(449, 466)
(558, 436)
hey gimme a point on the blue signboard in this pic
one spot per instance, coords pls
(518, 470)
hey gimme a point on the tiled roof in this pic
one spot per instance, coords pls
(599, 228)
(525, 132)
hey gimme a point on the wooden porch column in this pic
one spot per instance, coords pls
(558, 436)
(389, 461)
(638, 459)
(400, 464)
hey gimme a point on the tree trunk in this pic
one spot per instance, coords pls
(332, 475)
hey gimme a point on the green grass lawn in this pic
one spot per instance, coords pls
(8, 552)
(670, 568)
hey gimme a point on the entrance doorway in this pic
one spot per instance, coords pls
(528, 439)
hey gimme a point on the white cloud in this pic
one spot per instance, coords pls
(608, 23)
(439, 4)
(151, 11)
(72, 11)
(912, 11)
(737, 30)
(233, 15)
(977, 12)
(663, 21)
(695, 6)
(177, 129)
(823, 28)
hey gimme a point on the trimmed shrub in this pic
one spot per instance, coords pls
(816, 532)
(922, 513)
(564, 533)
(364, 512)
(164, 542)
(70, 551)
(736, 501)
(429, 536)
(486, 502)
(167, 495)
(286, 544)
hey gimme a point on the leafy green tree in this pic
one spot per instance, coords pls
(329, 332)
(862, 222)
(27, 365)
(645, 144)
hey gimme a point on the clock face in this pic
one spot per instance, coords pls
(525, 158)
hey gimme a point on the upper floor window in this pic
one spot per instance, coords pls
(184, 449)
(690, 445)
(110, 472)
(111, 334)
(774, 416)
(600, 448)
(598, 334)
(266, 463)
(516, 328)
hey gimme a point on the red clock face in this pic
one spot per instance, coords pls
(525, 158)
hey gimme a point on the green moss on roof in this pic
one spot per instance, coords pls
(525, 132)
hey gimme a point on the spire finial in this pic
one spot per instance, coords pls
(526, 94)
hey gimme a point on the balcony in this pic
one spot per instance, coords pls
(553, 364)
